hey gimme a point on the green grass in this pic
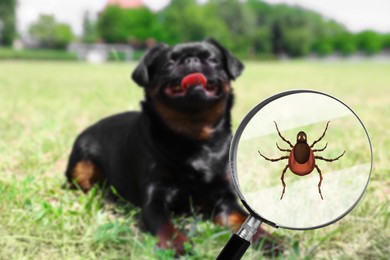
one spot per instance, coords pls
(43, 105)
(36, 54)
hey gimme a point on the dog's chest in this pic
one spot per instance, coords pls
(208, 163)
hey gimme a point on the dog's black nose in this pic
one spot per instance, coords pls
(192, 61)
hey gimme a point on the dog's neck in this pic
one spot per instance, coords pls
(198, 126)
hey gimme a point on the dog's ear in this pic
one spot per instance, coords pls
(233, 66)
(140, 74)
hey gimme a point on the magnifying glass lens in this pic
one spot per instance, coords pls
(301, 160)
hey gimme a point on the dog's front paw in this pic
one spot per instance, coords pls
(177, 243)
(269, 244)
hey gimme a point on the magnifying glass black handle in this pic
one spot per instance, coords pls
(239, 242)
(234, 249)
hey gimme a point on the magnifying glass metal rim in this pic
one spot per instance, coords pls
(233, 156)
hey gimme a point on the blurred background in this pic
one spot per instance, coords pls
(49, 92)
(100, 30)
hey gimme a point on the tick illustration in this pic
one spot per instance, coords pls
(301, 160)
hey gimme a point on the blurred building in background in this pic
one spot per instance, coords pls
(126, 3)
(101, 52)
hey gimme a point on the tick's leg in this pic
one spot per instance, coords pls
(282, 178)
(329, 160)
(322, 136)
(273, 160)
(320, 150)
(281, 149)
(284, 139)
(319, 184)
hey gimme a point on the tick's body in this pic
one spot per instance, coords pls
(301, 169)
(301, 160)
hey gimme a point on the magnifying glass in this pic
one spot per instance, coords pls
(299, 160)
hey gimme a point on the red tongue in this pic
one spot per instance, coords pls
(193, 79)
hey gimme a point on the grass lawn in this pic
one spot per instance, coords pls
(43, 105)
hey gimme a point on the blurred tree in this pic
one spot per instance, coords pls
(185, 21)
(51, 34)
(298, 41)
(90, 31)
(177, 17)
(323, 46)
(123, 25)
(182, 4)
(240, 21)
(369, 42)
(292, 30)
(248, 28)
(261, 35)
(331, 29)
(111, 25)
(7, 21)
(260, 40)
(345, 43)
(386, 41)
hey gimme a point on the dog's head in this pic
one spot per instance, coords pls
(191, 79)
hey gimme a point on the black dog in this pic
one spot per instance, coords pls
(173, 155)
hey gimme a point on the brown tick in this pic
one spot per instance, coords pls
(301, 160)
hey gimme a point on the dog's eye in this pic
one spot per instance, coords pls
(213, 61)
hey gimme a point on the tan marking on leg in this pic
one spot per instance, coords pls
(170, 237)
(86, 174)
(234, 219)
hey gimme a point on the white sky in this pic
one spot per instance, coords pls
(357, 15)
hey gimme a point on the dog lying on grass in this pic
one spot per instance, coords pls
(172, 155)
